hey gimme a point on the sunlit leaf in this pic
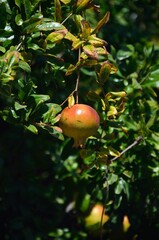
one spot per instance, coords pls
(77, 44)
(112, 112)
(90, 51)
(86, 29)
(25, 66)
(19, 106)
(58, 16)
(19, 20)
(56, 36)
(102, 22)
(2, 49)
(112, 178)
(32, 128)
(18, 3)
(71, 37)
(113, 152)
(49, 25)
(66, 1)
(95, 41)
(71, 69)
(82, 4)
(71, 101)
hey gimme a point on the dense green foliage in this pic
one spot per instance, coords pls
(54, 52)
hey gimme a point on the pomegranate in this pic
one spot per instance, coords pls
(93, 220)
(79, 122)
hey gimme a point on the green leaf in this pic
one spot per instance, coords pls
(57, 36)
(85, 203)
(2, 49)
(152, 79)
(35, 100)
(54, 131)
(118, 201)
(49, 25)
(32, 129)
(18, 19)
(112, 178)
(31, 24)
(126, 188)
(18, 3)
(88, 156)
(25, 66)
(12, 58)
(58, 16)
(82, 4)
(19, 106)
(66, 1)
(39, 98)
(50, 114)
(126, 53)
(119, 186)
(27, 7)
(33, 46)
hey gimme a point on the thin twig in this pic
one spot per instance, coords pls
(126, 149)
(105, 200)
(68, 97)
(137, 141)
(67, 18)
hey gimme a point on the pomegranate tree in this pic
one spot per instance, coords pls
(79, 122)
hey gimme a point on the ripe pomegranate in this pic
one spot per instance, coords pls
(93, 220)
(79, 122)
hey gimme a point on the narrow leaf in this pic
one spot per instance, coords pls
(82, 4)
(70, 69)
(103, 21)
(25, 66)
(32, 129)
(86, 29)
(71, 101)
(58, 16)
(95, 41)
(65, 1)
